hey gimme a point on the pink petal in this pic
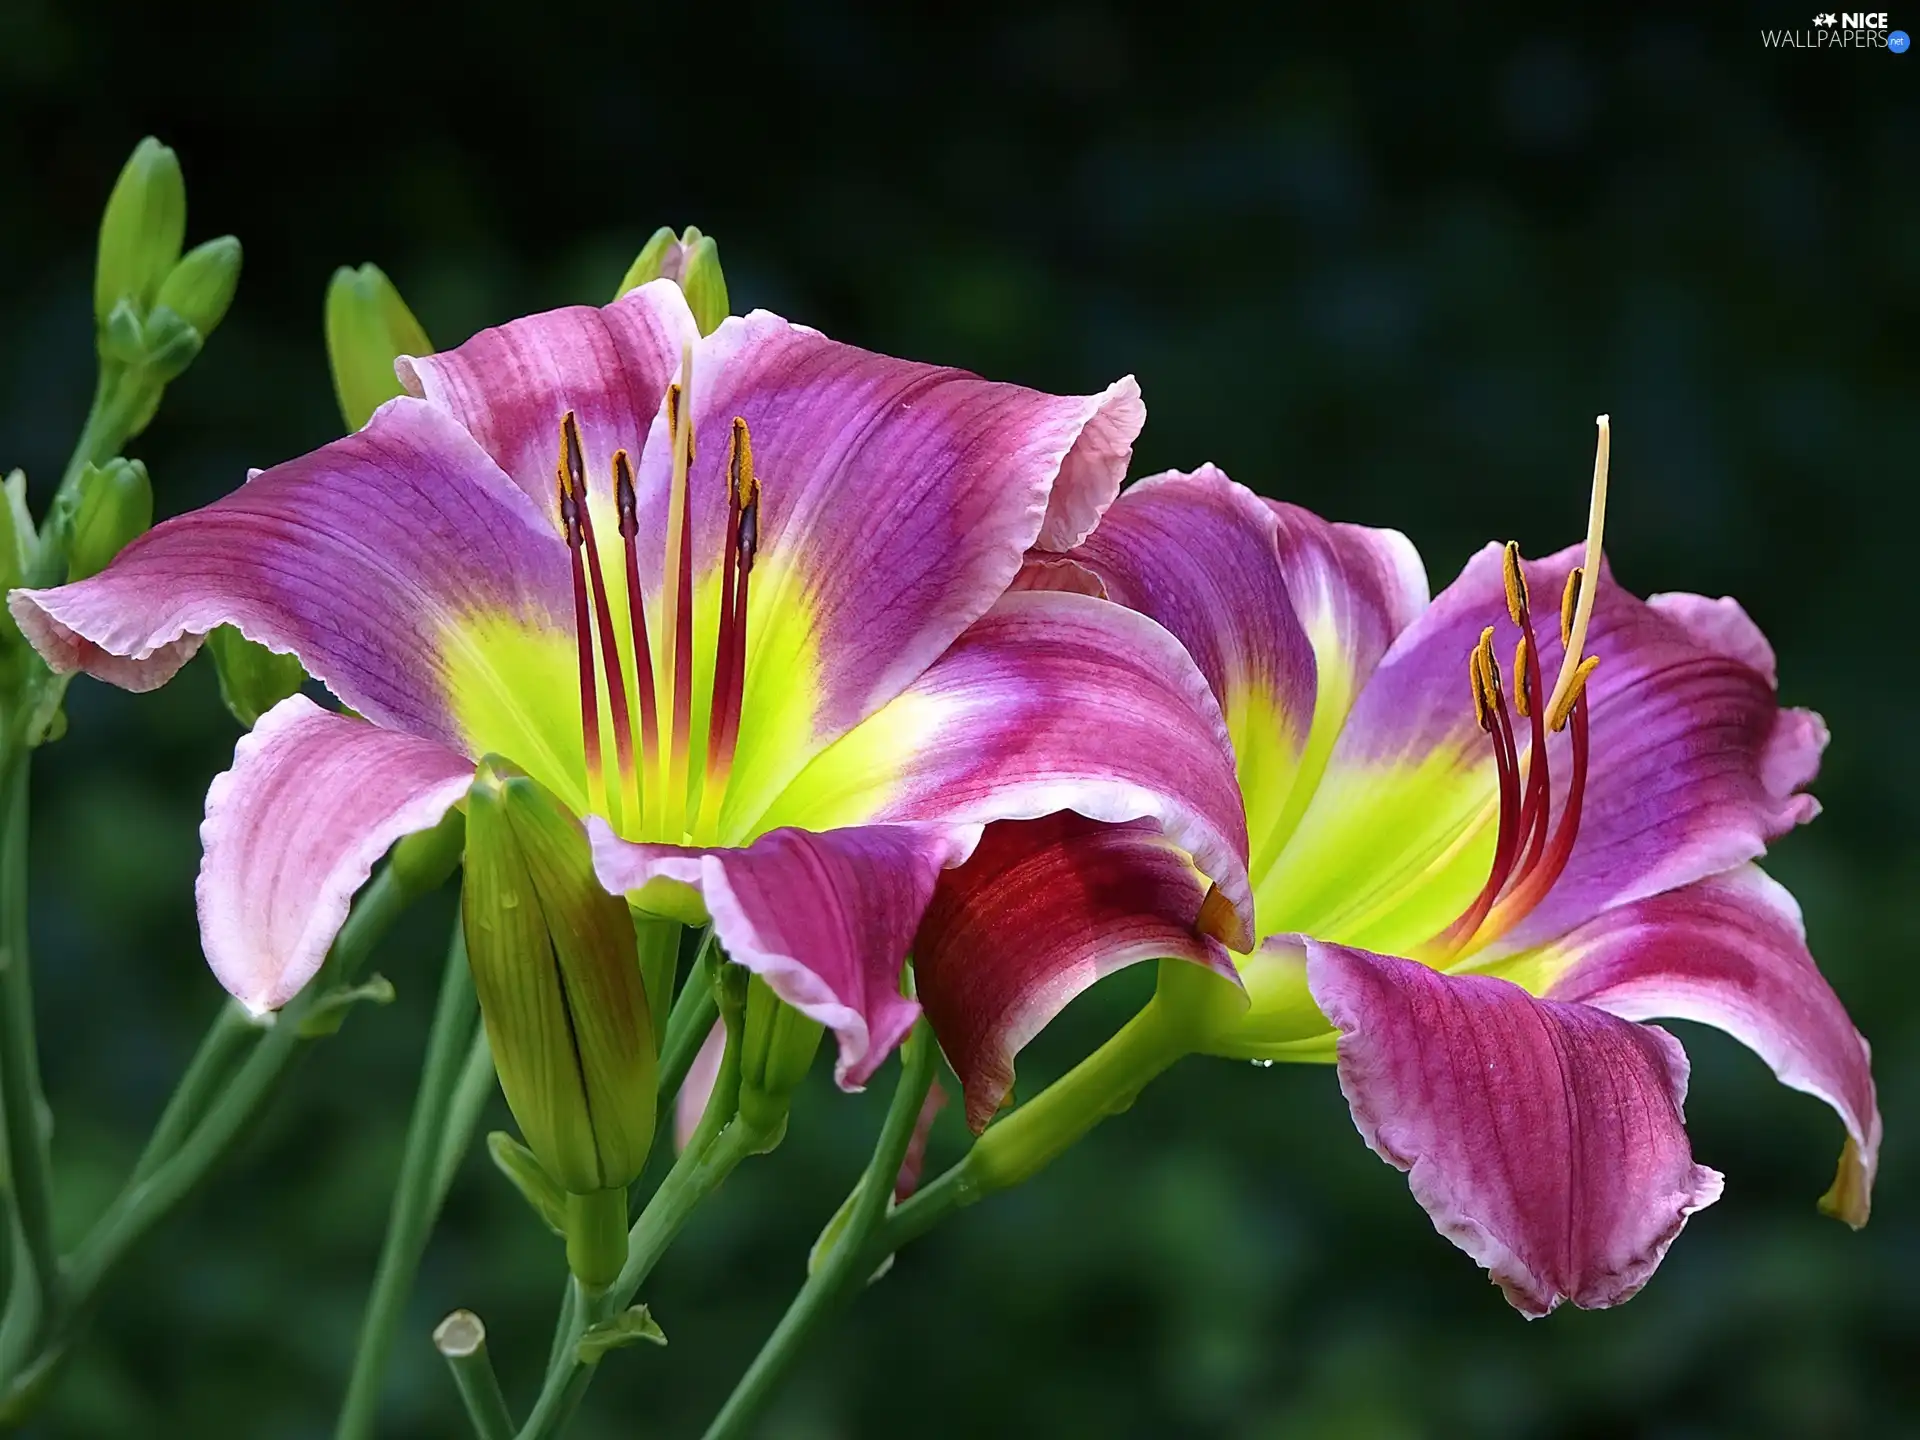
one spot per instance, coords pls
(1544, 1139)
(825, 919)
(510, 385)
(1042, 910)
(697, 1089)
(359, 558)
(1052, 702)
(293, 830)
(1732, 952)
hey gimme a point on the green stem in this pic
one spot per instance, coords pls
(416, 1196)
(231, 1032)
(145, 1202)
(688, 1026)
(844, 1264)
(462, 1341)
(37, 1295)
(720, 1143)
(470, 1095)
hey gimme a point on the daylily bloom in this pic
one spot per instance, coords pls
(737, 598)
(1477, 876)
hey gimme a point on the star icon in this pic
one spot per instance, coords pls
(1826, 19)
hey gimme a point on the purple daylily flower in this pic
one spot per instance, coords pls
(738, 599)
(1472, 879)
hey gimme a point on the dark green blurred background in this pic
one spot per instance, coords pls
(1388, 270)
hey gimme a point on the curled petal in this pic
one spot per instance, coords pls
(293, 830)
(510, 385)
(1052, 702)
(367, 559)
(824, 919)
(697, 1089)
(1544, 1139)
(1042, 910)
(1732, 952)
(897, 502)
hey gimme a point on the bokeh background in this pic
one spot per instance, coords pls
(1388, 270)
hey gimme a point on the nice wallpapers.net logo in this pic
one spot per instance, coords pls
(1848, 30)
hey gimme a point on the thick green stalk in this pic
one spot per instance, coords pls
(36, 1294)
(720, 1143)
(687, 1026)
(844, 1264)
(470, 1095)
(417, 1195)
(462, 1341)
(231, 1032)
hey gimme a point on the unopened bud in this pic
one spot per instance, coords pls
(114, 504)
(368, 327)
(170, 343)
(200, 288)
(564, 1003)
(692, 261)
(777, 1046)
(141, 231)
(253, 679)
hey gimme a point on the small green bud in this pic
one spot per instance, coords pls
(200, 288)
(368, 327)
(115, 504)
(423, 860)
(141, 231)
(777, 1047)
(253, 679)
(692, 261)
(169, 342)
(121, 338)
(564, 1004)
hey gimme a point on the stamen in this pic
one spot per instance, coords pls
(1480, 714)
(574, 461)
(1533, 888)
(677, 624)
(1522, 671)
(1516, 582)
(1576, 628)
(628, 508)
(1507, 842)
(570, 509)
(1569, 601)
(1558, 719)
(730, 657)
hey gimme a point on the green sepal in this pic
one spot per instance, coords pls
(368, 327)
(113, 505)
(329, 1012)
(170, 343)
(559, 984)
(701, 278)
(141, 231)
(200, 288)
(253, 679)
(632, 1326)
(524, 1173)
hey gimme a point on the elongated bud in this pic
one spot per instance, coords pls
(17, 539)
(141, 231)
(200, 288)
(368, 327)
(564, 1003)
(115, 503)
(777, 1046)
(253, 679)
(692, 261)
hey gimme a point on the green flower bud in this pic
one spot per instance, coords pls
(777, 1046)
(253, 679)
(368, 327)
(17, 537)
(424, 860)
(692, 261)
(142, 230)
(200, 288)
(114, 504)
(171, 344)
(565, 1006)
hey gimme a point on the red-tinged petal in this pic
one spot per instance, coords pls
(293, 830)
(1042, 910)
(824, 919)
(897, 502)
(368, 559)
(510, 385)
(1053, 702)
(1730, 952)
(915, 1160)
(1545, 1139)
